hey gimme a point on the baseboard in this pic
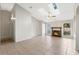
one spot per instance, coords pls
(27, 38)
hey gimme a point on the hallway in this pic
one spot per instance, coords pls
(40, 46)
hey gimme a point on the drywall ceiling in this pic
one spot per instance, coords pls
(66, 10)
(34, 6)
(6, 6)
(41, 10)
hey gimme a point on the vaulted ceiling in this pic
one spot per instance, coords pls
(41, 10)
(66, 10)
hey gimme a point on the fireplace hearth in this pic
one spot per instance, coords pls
(56, 31)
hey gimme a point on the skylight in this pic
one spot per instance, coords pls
(54, 8)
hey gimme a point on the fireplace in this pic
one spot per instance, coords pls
(56, 31)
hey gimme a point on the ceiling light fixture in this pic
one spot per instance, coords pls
(50, 16)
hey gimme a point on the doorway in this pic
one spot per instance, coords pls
(6, 27)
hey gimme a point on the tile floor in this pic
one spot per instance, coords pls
(40, 46)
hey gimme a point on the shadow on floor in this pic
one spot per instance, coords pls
(7, 40)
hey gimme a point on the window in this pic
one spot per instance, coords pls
(55, 6)
(54, 9)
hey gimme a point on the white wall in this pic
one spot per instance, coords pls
(36, 27)
(77, 28)
(0, 25)
(77, 32)
(26, 26)
(6, 25)
(43, 29)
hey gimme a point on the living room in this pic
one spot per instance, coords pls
(38, 29)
